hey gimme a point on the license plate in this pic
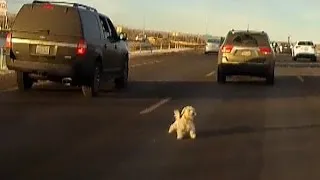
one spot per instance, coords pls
(44, 50)
(246, 53)
(306, 49)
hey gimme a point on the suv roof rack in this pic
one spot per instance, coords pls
(76, 5)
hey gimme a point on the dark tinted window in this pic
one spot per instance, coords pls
(112, 28)
(217, 41)
(91, 26)
(105, 27)
(305, 43)
(248, 39)
(59, 20)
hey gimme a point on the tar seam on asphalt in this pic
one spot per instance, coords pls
(210, 74)
(300, 78)
(155, 106)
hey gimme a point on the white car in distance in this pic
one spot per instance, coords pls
(212, 46)
(304, 49)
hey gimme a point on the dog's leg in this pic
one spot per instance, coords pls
(179, 134)
(192, 132)
(172, 128)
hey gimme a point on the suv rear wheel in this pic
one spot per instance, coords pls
(93, 89)
(314, 59)
(24, 81)
(122, 81)
(270, 78)
(294, 58)
(221, 77)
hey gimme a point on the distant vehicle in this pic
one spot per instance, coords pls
(246, 53)
(304, 49)
(212, 46)
(68, 43)
(141, 37)
(285, 48)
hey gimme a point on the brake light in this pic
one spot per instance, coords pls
(226, 48)
(9, 40)
(81, 47)
(48, 6)
(265, 50)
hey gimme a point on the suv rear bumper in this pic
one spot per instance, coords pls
(250, 69)
(305, 55)
(39, 67)
(79, 71)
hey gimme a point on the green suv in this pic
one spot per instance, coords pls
(246, 53)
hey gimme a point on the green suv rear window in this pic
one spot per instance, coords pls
(247, 39)
(56, 19)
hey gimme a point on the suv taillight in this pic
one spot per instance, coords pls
(9, 40)
(48, 6)
(226, 48)
(81, 47)
(265, 50)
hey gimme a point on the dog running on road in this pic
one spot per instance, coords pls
(184, 122)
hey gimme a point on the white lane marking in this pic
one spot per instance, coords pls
(210, 74)
(155, 106)
(300, 78)
(145, 63)
(9, 90)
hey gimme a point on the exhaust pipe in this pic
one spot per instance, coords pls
(67, 81)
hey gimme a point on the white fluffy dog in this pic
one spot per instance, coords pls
(184, 122)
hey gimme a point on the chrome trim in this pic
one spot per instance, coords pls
(41, 42)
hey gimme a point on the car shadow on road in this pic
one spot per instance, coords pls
(284, 87)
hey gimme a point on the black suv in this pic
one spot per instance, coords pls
(66, 42)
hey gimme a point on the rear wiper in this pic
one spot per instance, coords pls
(43, 30)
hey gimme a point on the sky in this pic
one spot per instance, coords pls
(279, 18)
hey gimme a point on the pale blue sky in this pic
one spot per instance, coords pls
(279, 18)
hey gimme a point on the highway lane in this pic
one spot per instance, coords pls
(246, 130)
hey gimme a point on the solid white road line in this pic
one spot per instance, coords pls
(300, 78)
(210, 74)
(155, 106)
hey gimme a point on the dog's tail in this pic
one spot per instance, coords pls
(176, 114)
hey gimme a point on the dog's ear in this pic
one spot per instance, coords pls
(183, 110)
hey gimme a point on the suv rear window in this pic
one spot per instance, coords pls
(305, 43)
(58, 20)
(247, 39)
(213, 41)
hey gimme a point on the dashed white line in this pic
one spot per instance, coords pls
(300, 78)
(9, 90)
(155, 106)
(210, 74)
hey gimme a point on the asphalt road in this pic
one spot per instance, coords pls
(246, 130)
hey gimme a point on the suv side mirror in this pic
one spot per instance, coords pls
(123, 36)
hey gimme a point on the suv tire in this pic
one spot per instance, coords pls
(314, 59)
(122, 81)
(93, 89)
(221, 77)
(270, 78)
(24, 81)
(294, 58)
